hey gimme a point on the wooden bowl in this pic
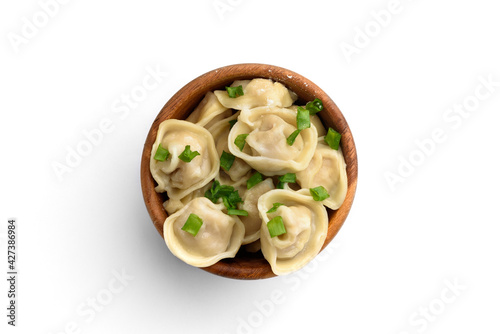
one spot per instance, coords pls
(248, 265)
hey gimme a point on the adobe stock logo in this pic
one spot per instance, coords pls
(31, 26)
(93, 305)
(430, 312)
(224, 6)
(453, 117)
(363, 36)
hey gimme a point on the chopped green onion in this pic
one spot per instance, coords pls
(231, 200)
(240, 141)
(161, 153)
(319, 193)
(210, 196)
(226, 202)
(303, 121)
(234, 198)
(232, 123)
(276, 226)
(230, 196)
(254, 179)
(192, 225)
(332, 138)
(224, 190)
(187, 155)
(234, 92)
(226, 160)
(287, 178)
(217, 191)
(237, 212)
(314, 106)
(274, 208)
(291, 139)
(210, 193)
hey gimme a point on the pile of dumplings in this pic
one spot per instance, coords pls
(265, 114)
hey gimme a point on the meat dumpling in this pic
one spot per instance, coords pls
(257, 93)
(266, 148)
(219, 236)
(327, 169)
(175, 176)
(306, 225)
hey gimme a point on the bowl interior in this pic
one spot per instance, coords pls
(248, 265)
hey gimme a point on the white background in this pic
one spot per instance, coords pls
(399, 250)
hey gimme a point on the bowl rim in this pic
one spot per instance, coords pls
(189, 96)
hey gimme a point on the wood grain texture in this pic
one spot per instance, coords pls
(249, 265)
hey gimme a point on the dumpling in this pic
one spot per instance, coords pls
(266, 148)
(208, 110)
(327, 169)
(220, 132)
(257, 93)
(176, 177)
(306, 224)
(250, 198)
(219, 236)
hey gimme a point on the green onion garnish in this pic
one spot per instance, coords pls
(319, 193)
(226, 160)
(291, 139)
(226, 202)
(234, 92)
(187, 155)
(234, 198)
(287, 178)
(230, 196)
(314, 106)
(161, 153)
(276, 226)
(332, 138)
(274, 208)
(240, 141)
(232, 123)
(192, 224)
(254, 179)
(210, 194)
(217, 191)
(224, 190)
(237, 212)
(303, 121)
(231, 200)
